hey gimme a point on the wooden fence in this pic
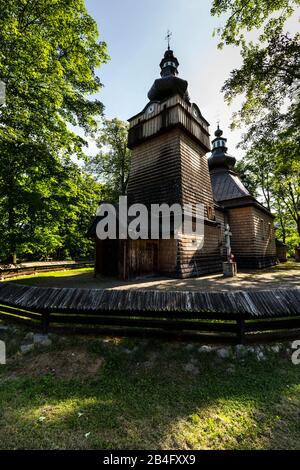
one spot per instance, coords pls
(9, 271)
(228, 317)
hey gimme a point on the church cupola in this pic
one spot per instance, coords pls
(169, 84)
(219, 143)
(169, 64)
(219, 158)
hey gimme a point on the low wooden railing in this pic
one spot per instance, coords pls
(228, 317)
(9, 271)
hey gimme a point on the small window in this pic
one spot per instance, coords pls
(210, 212)
(262, 228)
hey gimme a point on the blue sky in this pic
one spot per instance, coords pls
(135, 33)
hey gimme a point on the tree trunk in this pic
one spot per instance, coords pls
(283, 231)
(11, 232)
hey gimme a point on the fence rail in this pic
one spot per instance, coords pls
(9, 271)
(203, 316)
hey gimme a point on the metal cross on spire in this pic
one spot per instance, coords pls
(168, 38)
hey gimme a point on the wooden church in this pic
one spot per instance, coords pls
(169, 139)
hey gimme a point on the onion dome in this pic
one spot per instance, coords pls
(169, 84)
(219, 157)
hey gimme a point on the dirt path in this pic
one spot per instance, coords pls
(282, 276)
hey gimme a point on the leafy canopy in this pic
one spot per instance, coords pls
(48, 59)
(269, 75)
(113, 160)
(268, 80)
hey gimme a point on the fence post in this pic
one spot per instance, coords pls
(45, 322)
(241, 339)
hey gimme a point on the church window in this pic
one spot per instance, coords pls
(210, 212)
(262, 228)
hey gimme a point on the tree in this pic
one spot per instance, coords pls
(269, 75)
(286, 179)
(113, 161)
(269, 82)
(54, 215)
(48, 57)
(271, 170)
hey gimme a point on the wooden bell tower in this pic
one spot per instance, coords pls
(169, 140)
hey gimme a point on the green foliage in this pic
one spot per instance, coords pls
(113, 161)
(53, 216)
(248, 176)
(271, 169)
(268, 79)
(49, 53)
(246, 15)
(270, 72)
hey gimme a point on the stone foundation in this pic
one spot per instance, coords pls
(255, 262)
(229, 269)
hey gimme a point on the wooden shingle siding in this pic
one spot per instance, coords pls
(172, 168)
(241, 226)
(169, 141)
(196, 184)
(155, 171)
(174, 112)
(194, 262)
(264, 233)
(253, 241)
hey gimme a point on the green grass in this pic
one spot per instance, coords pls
(33, 279)
(144, 399)
(288, 266)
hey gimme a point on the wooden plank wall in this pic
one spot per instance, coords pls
(253, 240)
(177, 111)
(155, 171)
(264, 233)
(195, 178)
(171, 168)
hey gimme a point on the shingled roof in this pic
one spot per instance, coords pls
(228, 189)
(227, 185)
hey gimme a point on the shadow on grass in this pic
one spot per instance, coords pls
(144, 399)
(286, 276)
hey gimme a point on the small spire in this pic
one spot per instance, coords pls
(218, 132)
(168, 38)
(219, 158)
(169, 64)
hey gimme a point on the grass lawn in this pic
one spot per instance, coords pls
(33, 279)
(95, 393)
